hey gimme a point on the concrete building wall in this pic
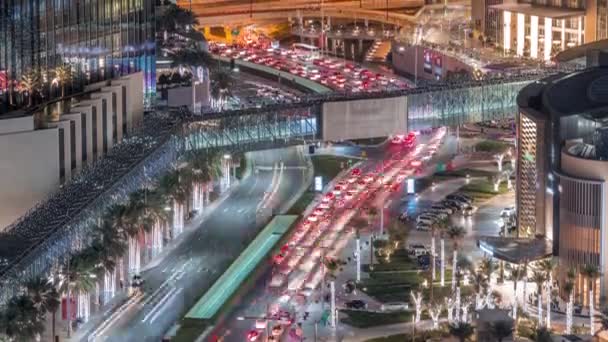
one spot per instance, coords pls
(364, 118)
(410, 60)
(583, 185)
(108, 114)
(97, 116)
(76, 138)
(28, 175)
(17, 124)
(135, 98)
(64, 149)
(118, 108)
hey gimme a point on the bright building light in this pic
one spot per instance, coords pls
(534, 36)
(506, 36)
(521, 29)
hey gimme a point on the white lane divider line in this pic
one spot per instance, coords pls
(115, 316)
(160, 302)
(159, 311)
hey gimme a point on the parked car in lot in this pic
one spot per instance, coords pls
(459, 198)
(423, 226)
(417, 250)
(356, 304)
(428, 219)
(451, 204)
(437, 214)
(394, 306)
(442, 208)
(456, 203)
(468, 210)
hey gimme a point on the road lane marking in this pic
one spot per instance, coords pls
(159, 311)
(157, 305)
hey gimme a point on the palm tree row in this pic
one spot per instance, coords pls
(143, 220)
(32, 82)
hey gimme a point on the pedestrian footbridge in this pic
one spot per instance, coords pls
(61, 225)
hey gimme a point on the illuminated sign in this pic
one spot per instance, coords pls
(410, 186)
(318, 183)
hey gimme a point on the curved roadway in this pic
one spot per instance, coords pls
(182, 276)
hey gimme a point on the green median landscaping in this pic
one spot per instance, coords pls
(202, 314)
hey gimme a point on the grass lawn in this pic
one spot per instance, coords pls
(483, 190)
(364, 319)
(301, 204)
(328, 167)
(369, 141)
(419, 337)
(463, 173)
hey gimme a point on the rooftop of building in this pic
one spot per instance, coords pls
(579, 93)
(540, 11)
(516, 250)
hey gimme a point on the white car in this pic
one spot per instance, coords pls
(425, 227)
(395, 306)
(508, 211)
(441, 208)
(425, 219)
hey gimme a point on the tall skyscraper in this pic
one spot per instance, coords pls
(98, 39)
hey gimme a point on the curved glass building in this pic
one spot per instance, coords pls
(562, 182)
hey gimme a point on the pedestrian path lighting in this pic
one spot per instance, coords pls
(435, 312)
(417, 299)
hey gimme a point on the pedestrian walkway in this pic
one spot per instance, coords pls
(123, 299)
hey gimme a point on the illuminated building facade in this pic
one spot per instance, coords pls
(541, 28)
(563, 170)
(99, 39)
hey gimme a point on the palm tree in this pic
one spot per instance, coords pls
(438, 225)
(21, 319)
(478, 279)
(539, 278)
(205, 166)
(501, 329)
(462, 331)
(63, 75)
(222, 83)
(192, 58)
(591, 273)
(45, 298)
(569, 290)
(548, 266)
(29, 85)
(455, 234)
(442, 226)
(516, 274)
(487, 267)
(542, 334)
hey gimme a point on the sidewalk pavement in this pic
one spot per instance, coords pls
(121, 298)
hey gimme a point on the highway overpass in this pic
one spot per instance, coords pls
(279, 11)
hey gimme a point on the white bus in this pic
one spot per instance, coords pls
(305, 50)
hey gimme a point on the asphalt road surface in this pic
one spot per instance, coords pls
(175, 284)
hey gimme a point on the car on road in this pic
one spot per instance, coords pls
(356, 304)
(394, 306)
(253, 335)
(261, 324)
(508, 211)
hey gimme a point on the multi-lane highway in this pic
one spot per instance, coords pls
(180, 278)
(297, 273)
(334, 73)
